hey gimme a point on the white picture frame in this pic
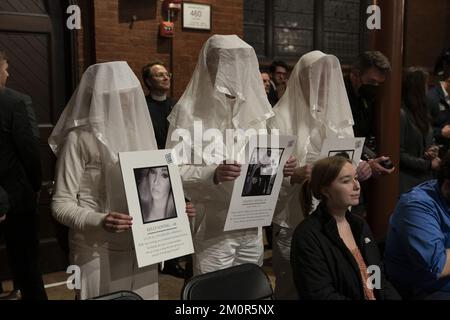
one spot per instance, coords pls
(351, 148)
(256, 190)
(155, 198)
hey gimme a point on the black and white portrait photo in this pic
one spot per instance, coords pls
(155, 193)
(262, 172)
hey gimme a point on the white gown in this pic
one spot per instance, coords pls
(107, 260)
(225, 92)
(107, 114)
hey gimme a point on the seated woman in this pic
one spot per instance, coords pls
(334, 255)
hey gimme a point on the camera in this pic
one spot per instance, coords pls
(368, 154)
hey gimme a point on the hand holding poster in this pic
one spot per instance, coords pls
(255, 192)
(156, 202)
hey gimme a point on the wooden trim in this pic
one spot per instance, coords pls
(90, 52)
(383, 192)
(56, 59)
(25, 23)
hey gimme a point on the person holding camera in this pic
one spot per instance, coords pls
(363, 84)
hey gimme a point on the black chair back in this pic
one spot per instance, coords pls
(242, 282)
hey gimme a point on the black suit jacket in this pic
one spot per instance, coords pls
(20, 166)
(323, 267)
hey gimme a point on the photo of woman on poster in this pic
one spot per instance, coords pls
(155, 194)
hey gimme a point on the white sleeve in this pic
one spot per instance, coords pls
(194, 177)
(197, 174)
(69, 171)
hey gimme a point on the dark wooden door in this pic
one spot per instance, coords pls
(32, 32)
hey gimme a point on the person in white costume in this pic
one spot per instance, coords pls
(107, 114)
(225, 92)
(314, 107)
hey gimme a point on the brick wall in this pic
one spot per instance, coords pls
(427, 32)
(227, 18)
(138, 43)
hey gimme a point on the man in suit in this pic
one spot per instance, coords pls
(20, 177)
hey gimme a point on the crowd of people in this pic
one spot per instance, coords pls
(322, 247)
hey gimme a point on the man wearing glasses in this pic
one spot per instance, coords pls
(157, 80)
(279, 76)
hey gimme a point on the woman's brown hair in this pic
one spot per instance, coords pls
(324, 172)
(415, 98)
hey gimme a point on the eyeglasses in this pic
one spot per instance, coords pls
(162, 75)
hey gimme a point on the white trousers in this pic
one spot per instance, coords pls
(105, 271)
(227, 250)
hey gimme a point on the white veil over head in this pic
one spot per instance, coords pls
(110, 104)
(315, 97)
(226, 66)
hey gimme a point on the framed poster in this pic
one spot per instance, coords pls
(155, 199)
(196, 16)
(350, 148)
(255, 193)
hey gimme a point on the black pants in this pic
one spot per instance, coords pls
(22, 244)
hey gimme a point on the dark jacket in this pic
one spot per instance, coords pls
(159, 111)
(440, 114)
(20, 166)
(323, 267)
(414, 168)
(30, 110)
(362, 112)
(272, 96)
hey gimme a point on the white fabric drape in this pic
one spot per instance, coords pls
(315, 99)
(110, 104)
(226, 66)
